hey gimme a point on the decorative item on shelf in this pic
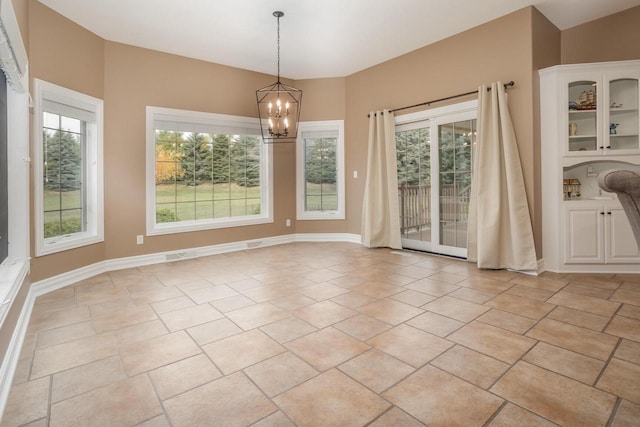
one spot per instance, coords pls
(279, 106)
(573, 105)
(587, 100)
(613, 128)
(573, 129)
(615, 105)
(576, 187)
(571, 188)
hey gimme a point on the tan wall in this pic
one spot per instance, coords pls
(612, 38)
(546, 52)
(65, 54)
(498, 50)
(136, 78)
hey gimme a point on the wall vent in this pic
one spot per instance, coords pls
(177, 256)
(252, 245)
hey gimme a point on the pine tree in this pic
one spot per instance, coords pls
(320, 160)
(63, 161)
(220, 167)
(195, 158)
(245, 161)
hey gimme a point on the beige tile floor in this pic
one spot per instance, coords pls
(331, 335)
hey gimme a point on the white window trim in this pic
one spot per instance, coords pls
(94, 169)
(208, 120)
(301, 213)
(433, 113)
(15, 267)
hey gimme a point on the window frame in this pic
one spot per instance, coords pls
(92, 169)
(208, 121)
(330, 126)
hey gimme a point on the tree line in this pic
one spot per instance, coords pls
(196, 158)
(414, 158)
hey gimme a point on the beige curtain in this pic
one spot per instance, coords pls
(380, 211)
(500, 233)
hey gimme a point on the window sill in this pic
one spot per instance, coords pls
(51, 246)
(201, 225)
(309, 216)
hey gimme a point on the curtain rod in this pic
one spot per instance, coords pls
(427, 103)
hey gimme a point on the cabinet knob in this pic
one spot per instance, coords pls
(608, 147)
(601, 213)
(601, 148)
(609, 213)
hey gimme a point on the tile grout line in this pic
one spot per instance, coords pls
(607, 362)
(160, 401)
(496, 413)
(614, 412)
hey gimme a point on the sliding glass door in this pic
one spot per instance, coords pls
(434, 159)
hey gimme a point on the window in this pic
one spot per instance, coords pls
(320, 170)
(205, 171)
(68, 169)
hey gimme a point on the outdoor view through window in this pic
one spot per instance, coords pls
(64, 193)
(206, 176)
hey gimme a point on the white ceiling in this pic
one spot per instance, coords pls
(319, 38)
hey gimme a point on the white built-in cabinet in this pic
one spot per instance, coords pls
(590, 122)
(598, 233)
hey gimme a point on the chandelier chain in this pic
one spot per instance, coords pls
(278, 17)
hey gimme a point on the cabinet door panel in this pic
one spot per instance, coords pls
(623, 134)
(622, 246)
(584, 235)
(583, 115)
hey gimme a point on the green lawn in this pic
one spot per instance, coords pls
(321, 197)
(70, 221)
(179, 202)
(183, 203)
(54, 200)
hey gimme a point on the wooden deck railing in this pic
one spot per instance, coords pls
(415, 205)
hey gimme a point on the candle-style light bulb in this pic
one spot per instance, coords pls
(286, 125)
(279, 105)
(287, 107)
(270, 106)
(270, 126)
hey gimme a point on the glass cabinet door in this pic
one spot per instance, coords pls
(582, 130)
(623, 115)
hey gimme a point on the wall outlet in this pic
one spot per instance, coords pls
(288, 223)
(355, 174)
(139, 239)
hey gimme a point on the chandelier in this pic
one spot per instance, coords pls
(279, 106)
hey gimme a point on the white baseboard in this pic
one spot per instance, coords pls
(328, 237)
(51, 284)
(54, 283)
(12, 355)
